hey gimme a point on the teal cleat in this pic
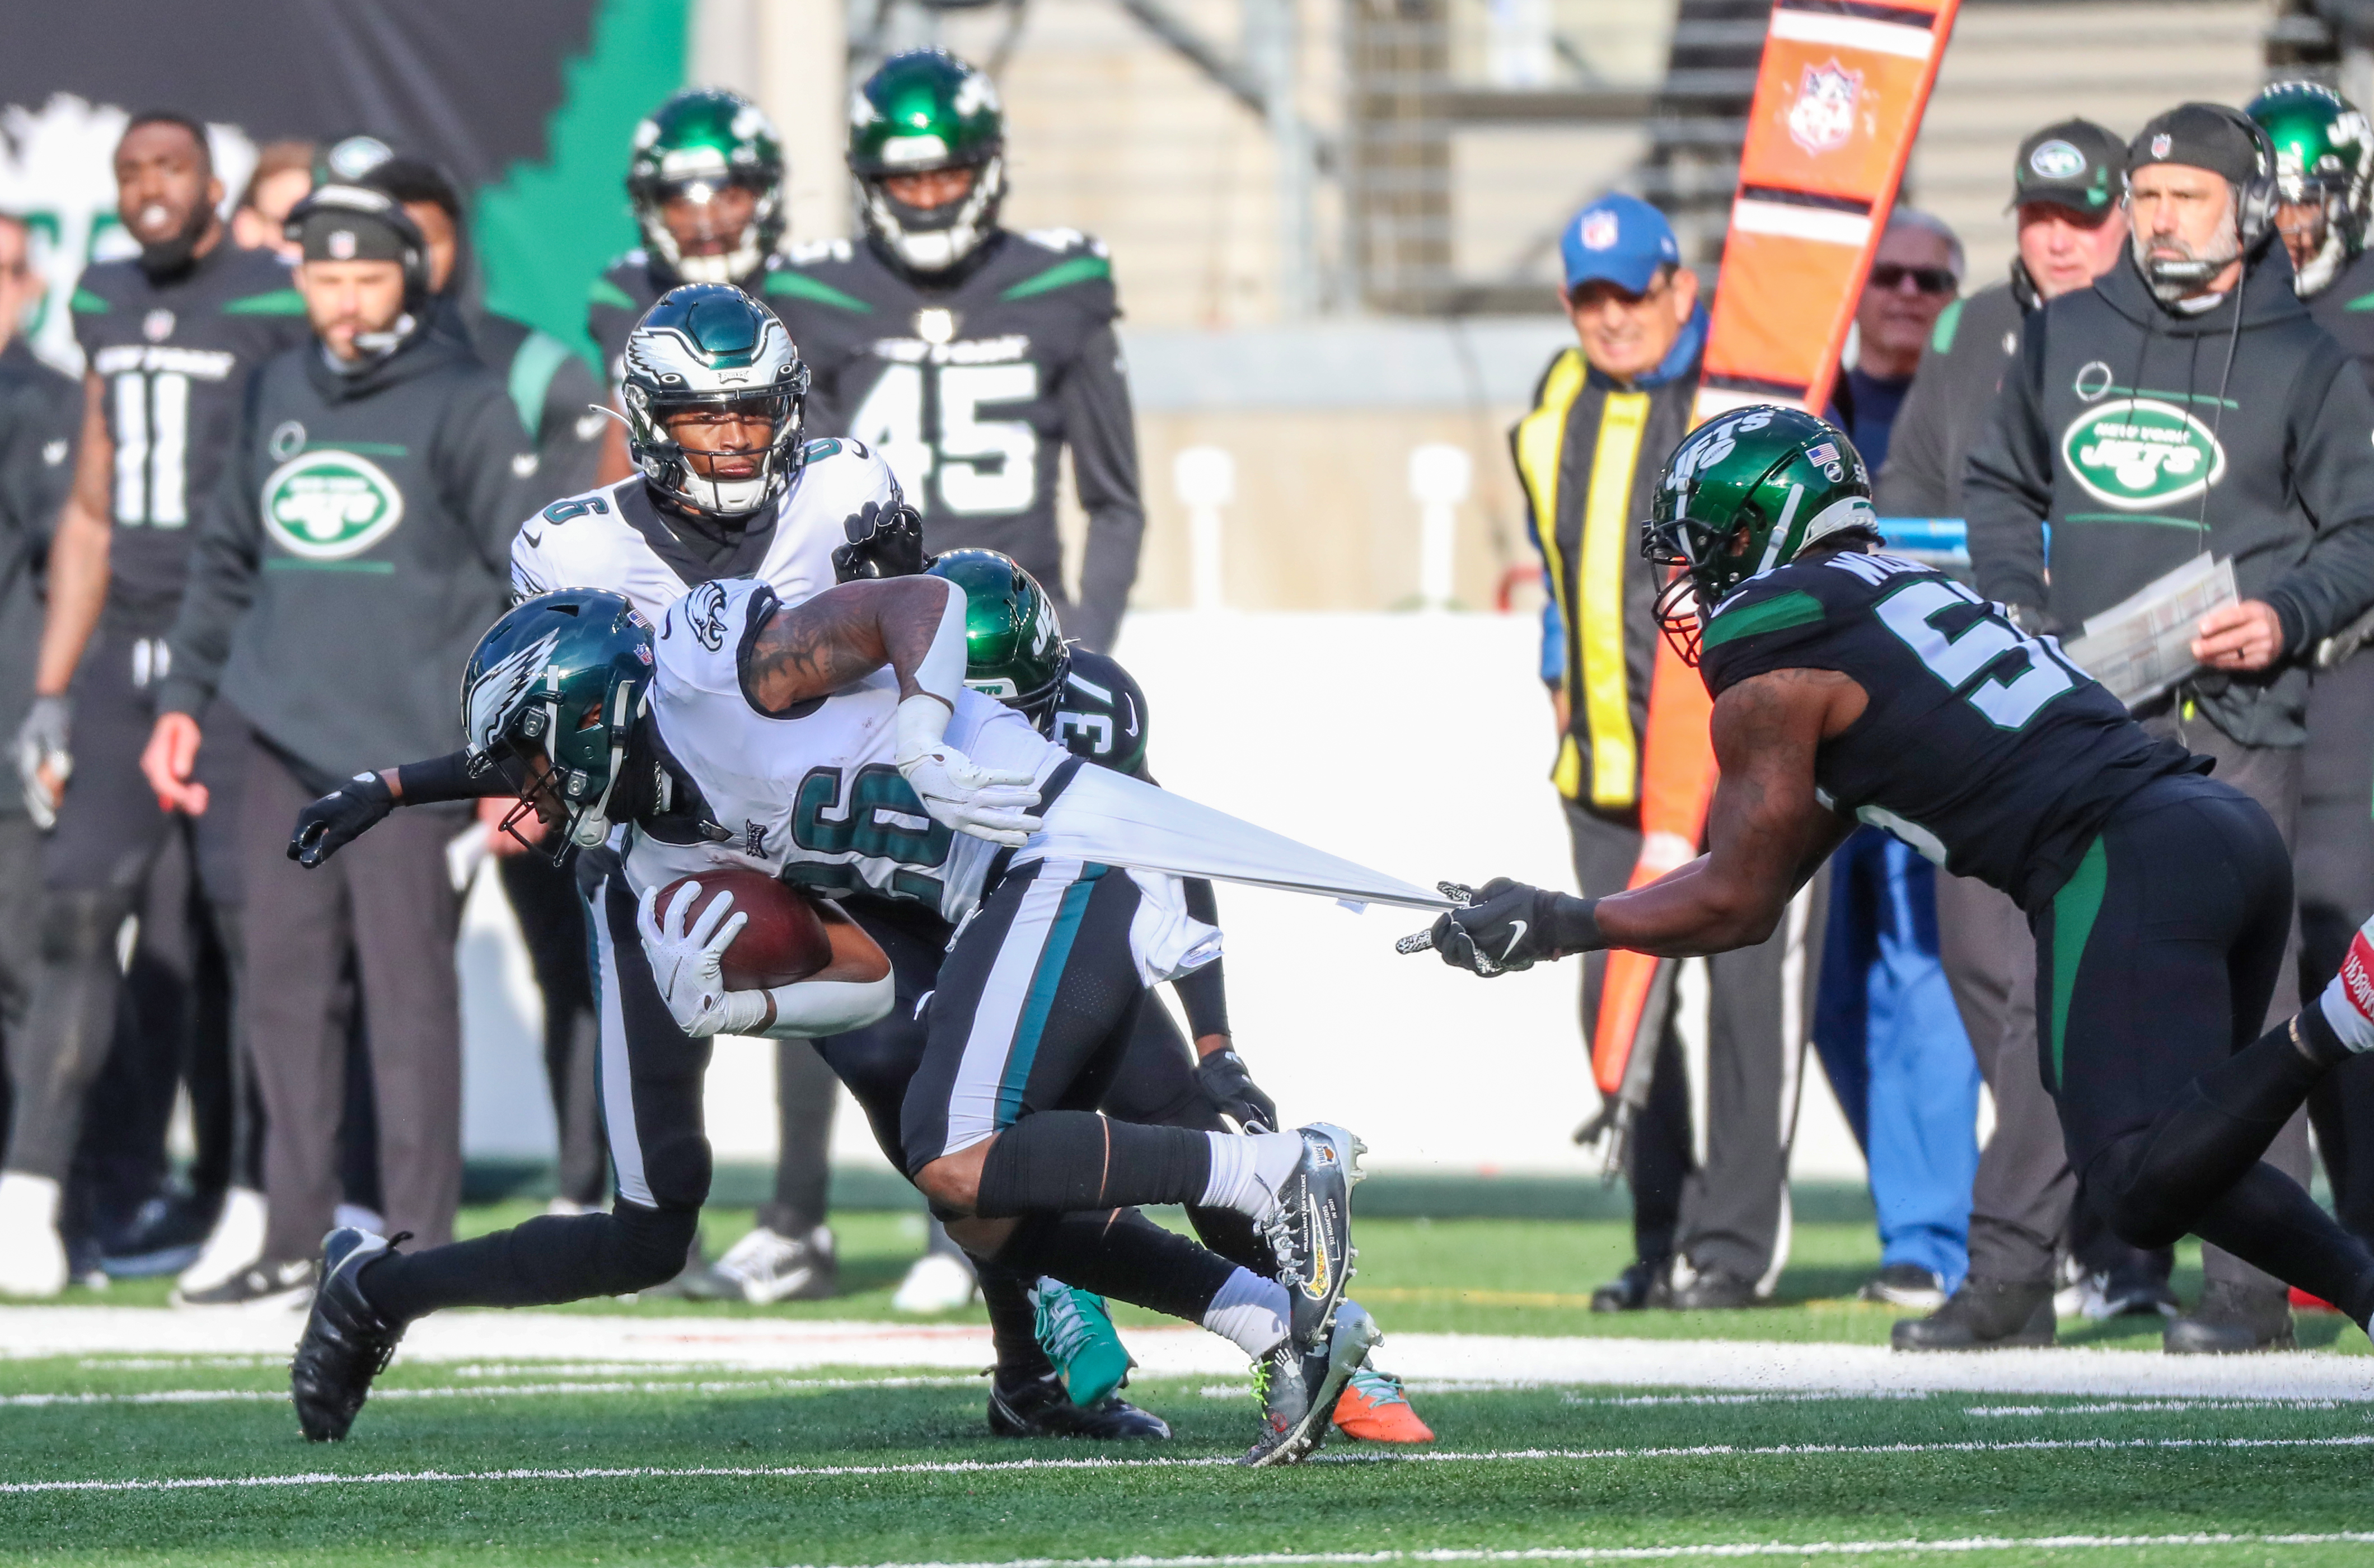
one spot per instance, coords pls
(1077, 1333)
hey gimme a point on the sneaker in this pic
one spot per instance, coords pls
(1905, 1285)
(1715, 1290)
(1374, 1408)
(939, 1282)
(33, 1255)
(1984, 1315)
(287, 1285)
(1309, 1229)
(235, 1243)
(2231, 1320)
(347, 1343)
(2137, 1292)
(1075, 1330)
(766, 1267)
(1298, 1392)
(1639, 1287)
(1038, 1406)
(164, 1235)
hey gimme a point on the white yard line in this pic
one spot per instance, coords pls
(989, 1467)
(1658, 1553)
(760, 1344)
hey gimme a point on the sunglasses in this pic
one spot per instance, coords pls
(1928, 279)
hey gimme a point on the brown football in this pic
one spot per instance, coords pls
(784, 939)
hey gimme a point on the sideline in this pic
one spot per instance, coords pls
(1908, 1545)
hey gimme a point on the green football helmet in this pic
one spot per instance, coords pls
(2322, 161)
(694, 145)
(711, 347)
(549, 699)
(1744, 492)
(927, 109)
(1014, 646)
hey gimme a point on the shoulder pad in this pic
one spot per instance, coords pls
(1065, 240)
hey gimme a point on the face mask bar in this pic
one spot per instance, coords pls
(777, 459)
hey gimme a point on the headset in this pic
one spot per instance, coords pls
(380, 208)
(2254, 199)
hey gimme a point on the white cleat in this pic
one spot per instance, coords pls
(235, 1244)
(32, 1257)
(938, 1282)
(766, 1267)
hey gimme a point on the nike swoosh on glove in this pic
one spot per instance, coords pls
(688, 964)
(1502, 930)
(339, 819)
(985, 802)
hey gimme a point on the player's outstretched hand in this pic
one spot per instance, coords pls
(339, 817)
(884, 541)
(1229, 1084)
(690, 963)
(985, 802)
(1500, 929)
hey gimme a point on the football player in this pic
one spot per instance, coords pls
(839, 738)
(168, 338)
(1853, 686)
(970, 355)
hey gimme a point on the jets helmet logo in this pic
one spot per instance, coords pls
(330, 505)
(2139, 452)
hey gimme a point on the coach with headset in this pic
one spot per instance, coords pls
(2187, 402)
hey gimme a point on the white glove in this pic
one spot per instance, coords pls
(984, 802)
(41, 740)
(688, 964)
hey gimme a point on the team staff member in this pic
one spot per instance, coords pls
(970, 355)
(2322, 163)
(2067, 182)
(2187, 402)
(378, 476)
(169, 337)
(1587, 454)
(39, 411)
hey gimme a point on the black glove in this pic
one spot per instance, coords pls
(1229, 1086)
(884, 541)
(335, 820)
(1509, 925)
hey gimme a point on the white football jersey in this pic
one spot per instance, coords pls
(614, 539)
(812, 796)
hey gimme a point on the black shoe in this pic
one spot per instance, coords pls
(2134, 1292)
(1715, 1290)
(1984, 1315)
(1905, 1285)
(259, 1284)
(1639, 1287)
(1038, 1406)
(164, 1235)
(1309, 1230)
(1299, 1401)
(347, 1342)
(2232, 1319)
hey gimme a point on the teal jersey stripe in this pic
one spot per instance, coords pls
(800, 285)
(85, 303)
(1063, 275)
(278, 302)
(1795, 608)
(1040, 998)
(2075, 908)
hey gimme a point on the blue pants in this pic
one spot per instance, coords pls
(1892, 1043)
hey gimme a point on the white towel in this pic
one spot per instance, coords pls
(1163, 939)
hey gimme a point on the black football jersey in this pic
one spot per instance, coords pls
(1982, 748)
(971, 390)
(1100, 716)
(174, 359)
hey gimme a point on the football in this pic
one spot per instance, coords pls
(784, 939)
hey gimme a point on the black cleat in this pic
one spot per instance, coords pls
(347, 1342)
(1309, 1230)
(1641, 1287)
(1038, 1406)
(2232, 1320)
(1298, 1399)
(1984, 1315)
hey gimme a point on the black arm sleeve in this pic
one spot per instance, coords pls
(1202, 991)
(1103, 436)
(2333, 467)
(457, 775)
(222, 577)
(2008, 488)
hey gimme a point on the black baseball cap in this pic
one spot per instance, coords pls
(2073, 163)
(2200, 136)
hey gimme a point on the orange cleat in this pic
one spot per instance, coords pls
(1374, 1408)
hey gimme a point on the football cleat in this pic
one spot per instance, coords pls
(287, 1285)
(1075, 1330)
(939, 1281)
(1309, 1229)
(766, 1267)
(347, 1343)
(235, 1243)
(1299, 1395)
(1038, 1406)
(1374, 1408)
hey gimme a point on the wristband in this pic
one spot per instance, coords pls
(1570, 924)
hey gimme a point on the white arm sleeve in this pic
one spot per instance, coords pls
(942, 672)
(814, 1008)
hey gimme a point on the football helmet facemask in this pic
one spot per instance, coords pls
(1747, 492)
(923, 110)
(708, 347)
(1014, 645)
(694, 145)
(550, 699)
(2324, 157)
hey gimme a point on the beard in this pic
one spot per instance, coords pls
(2173, 277)
(173, 254)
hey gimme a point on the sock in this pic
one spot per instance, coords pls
(548, 1260)
(1251, 1311)
(1119, 1253)
(1247, 1171)
(1013, 1322)
(1059, 1161)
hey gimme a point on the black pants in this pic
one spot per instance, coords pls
(20, 939)
(1732, 1212)
(552, 923)
(388, 900)
(2334, 873)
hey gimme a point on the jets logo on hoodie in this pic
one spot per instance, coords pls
(2138, 453)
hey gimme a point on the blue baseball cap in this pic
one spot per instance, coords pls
(1621, 238)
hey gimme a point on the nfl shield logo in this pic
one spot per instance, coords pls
(1823, 118)
(1599, 231)
(2161, 143)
